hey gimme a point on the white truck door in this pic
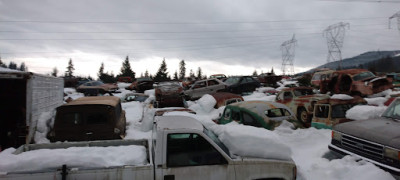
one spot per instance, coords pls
(191, 156)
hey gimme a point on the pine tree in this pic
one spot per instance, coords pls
(255, 73)
(101, 71)
(191, 74)
(272, 71)
(176, 75)
(70, 69)
(12, 65)
(199, 73)
(55, 72)
(22, 67)
(182, 69)
(126, 69)
(162, 74)
(146, 73)
(2, 64)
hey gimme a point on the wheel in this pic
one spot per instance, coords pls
(303, 116)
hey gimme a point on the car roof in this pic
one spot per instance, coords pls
(99, 100)
(259, 107)
(178, 122)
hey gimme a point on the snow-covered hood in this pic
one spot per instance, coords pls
(379, 130)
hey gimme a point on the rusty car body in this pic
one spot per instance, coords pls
(320, 76)
(355, 82)
(329, 112)
(93, 88)
(141, 85)
(257, 113)
(89, 118)
(202, 87)
(301, 101)
(221, 77)
(169, 94)
(225, 98)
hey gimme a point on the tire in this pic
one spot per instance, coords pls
(303, 117)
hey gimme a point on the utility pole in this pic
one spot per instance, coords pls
(288, 51)
(334, 35)
(397, 15)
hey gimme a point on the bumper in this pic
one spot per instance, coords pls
(391, 169)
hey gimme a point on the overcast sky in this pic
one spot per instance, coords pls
(221, 36)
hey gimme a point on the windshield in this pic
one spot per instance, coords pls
(214, 137)
(393, 110)
(97, 83)
(363, 75)
(303, 92)
(232, 80)
(339, 111)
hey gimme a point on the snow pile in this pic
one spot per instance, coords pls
(122, 85)
(73, 157)
(378, 101)
(363, 112)
(204, 105)
(134, 114)
(342, 97)
(249, 141)
(265, 89)
(385, 93)
(8, 70)
(257, 96)
(71, 93)
(45, 122)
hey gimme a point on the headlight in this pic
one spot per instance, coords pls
(391, 153)
(336, 135)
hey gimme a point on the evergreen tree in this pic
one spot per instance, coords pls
(126, 69)
(191, 74)
(162, 74)
(55, 72)
(182, 69)
(2, 64)
(272, 71)
(101, 71)
(146, 73)
(199, 73)
(255, 73)
(70, 69)
(12, 65)
(22, 67)
(176, 76)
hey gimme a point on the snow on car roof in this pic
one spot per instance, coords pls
(259, 107)
(178, 122)
(101, 100)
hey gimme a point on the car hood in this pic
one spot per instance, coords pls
(380, 130)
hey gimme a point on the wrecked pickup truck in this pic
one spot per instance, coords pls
(355, 82)
(375, 140)
(182, 148)
(329, 112)
(301, 101)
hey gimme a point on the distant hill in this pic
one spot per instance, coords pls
(366, 60)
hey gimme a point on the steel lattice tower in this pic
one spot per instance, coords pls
(397, 15)
(334, 36)
(288, 51)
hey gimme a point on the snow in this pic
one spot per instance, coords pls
(74, 157)
(8, 70)
(45, 121)
(364, 112)
(307, 147)
(342, 97)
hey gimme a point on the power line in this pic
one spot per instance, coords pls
(364, 1)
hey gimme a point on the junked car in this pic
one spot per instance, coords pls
(141, 85)
(89, 118)
(199, 88)
(329, 112)
(140, 97)
(320, 76)
(241, 84)
(375, 140)
(258, 113)
(355, 82)
(93, 88)
(169, 94)
(225, 98)
(301, 101)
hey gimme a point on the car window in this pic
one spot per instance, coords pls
(199, 85)
(212, 82)
(249, 79)
(322, 111)
(191, 149)
(286, 112)
(230, 101)
(287, 95)
(72, 119)
(235, 115)
(277, 112)
(250, 120)
(227, 113)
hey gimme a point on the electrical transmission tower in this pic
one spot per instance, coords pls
(397, 15)
(288, 50)
(334, 36)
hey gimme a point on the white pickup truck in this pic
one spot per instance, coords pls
(181, 148)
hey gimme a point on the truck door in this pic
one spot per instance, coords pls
(191, 156)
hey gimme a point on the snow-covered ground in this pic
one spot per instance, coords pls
(307, 147)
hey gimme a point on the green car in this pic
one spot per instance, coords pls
(258, 113)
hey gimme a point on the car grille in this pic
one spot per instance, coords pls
(366, 148)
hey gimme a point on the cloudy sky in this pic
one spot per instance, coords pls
(221, 36)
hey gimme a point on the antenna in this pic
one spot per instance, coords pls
(334, 35)
(288, 50)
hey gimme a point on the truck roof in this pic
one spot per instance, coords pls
(178, 122)
(101, 100)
